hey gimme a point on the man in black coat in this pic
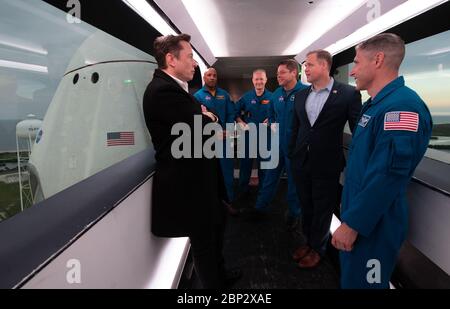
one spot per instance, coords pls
(186, 190)
(321, 112)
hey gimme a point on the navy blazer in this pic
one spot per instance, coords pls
(186, 191)
(322, 142)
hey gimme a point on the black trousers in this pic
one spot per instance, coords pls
(319, 196)
(207, 253)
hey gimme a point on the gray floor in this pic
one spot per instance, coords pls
(263, 249)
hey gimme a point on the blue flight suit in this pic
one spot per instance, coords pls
(255, 110)
(224, 108)
(281, 110)
(387, 146)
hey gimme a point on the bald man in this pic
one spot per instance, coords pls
(218, 101)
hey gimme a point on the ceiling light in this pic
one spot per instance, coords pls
(437, 52)
(196, 9)
(23, 66)
(149, 14)
(32, 49)
(318, 24)
(396, 16)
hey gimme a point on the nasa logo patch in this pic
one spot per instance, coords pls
(364, 120)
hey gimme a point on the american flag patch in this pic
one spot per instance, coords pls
(401, 121)
(119, 138)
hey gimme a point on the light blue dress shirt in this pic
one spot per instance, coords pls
(316, 100)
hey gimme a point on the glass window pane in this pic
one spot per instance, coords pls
(426, 69)
(70, 102)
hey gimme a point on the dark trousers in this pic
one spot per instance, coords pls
(246, 164)
(209, 263)
(319, 196)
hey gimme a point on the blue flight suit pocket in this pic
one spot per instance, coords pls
(401, 155)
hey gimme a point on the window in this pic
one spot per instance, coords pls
(70, 102)
(426, 69)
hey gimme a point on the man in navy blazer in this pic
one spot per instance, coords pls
(321, 112)
(186, 191)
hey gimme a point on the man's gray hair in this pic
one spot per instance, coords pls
(259, 71)
(390, 44)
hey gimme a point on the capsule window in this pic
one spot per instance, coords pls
(76, 78)
(95, 77)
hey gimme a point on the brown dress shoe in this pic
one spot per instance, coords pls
(301, 252)
(230, 209)
(311, 260)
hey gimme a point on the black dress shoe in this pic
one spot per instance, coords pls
(292, 223)
(244, 196)
(253, 214)
(252, 211)
(232, 276)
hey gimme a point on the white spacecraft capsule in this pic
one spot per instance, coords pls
(95, 118)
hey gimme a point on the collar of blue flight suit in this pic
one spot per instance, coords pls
(205, 89)
(256, 96)
(295, 89)
(388, 89)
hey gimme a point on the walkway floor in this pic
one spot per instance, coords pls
(263, 249)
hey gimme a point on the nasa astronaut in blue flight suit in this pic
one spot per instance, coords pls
(281, 109)
(254, 105)
(390, 140)
(219, 102)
